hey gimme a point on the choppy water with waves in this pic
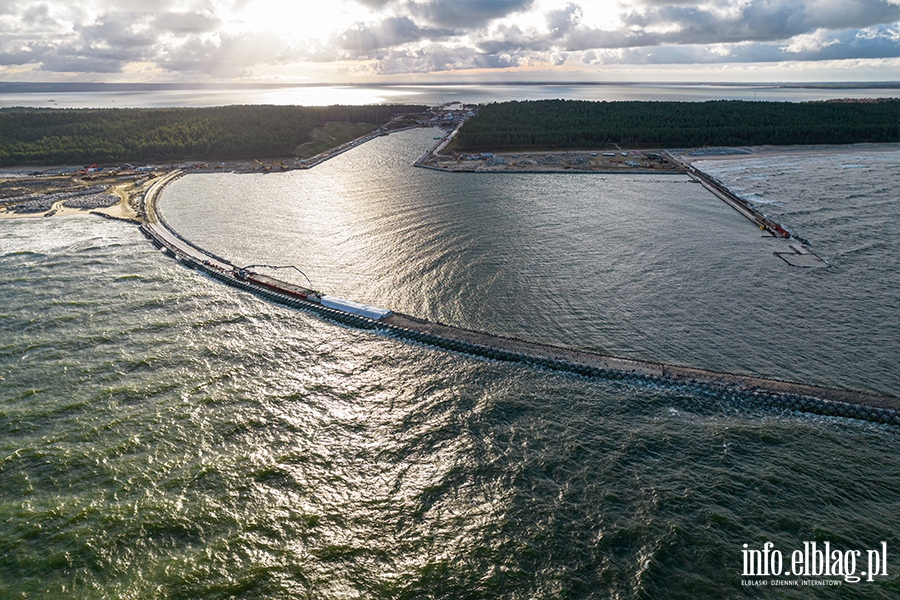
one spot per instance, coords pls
(164, 436)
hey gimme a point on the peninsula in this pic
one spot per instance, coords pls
(631, 137)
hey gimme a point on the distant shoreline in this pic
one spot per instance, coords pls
(13, 87)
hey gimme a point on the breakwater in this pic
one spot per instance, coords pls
(741, 388)
(722, 192)
(798, 253)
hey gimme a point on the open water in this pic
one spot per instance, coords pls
(431, 95)
(164, 436)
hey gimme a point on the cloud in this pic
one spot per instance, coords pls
(740, 21)
(105, 45)
(466, 14)
(872, 43)
(39, 15)
(562, 21)
(363, 39)
(377, 4)
(511, 38)
(178, 41)
(186, 22)
(654, 22)
(437, 58)
(225, 56)
(457, 14)
(61, 62)
(226, 38)
(686, 32)
(122, 30)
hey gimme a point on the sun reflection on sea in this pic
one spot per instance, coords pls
(338, 94)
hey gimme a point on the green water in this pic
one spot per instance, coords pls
(164, 436)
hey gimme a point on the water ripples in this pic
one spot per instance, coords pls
(162, 435)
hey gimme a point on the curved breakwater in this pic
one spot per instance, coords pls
(757, 390)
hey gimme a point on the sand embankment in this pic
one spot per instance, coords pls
(114, 196)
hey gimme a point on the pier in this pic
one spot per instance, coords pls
(798, 255)
(727, 196)
(756, 390)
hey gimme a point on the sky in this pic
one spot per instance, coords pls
(418, 41)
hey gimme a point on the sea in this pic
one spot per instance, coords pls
(137, 96)
(165, 436)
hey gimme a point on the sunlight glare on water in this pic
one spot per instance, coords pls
(644, 266)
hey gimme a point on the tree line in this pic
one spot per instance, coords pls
(74, 136)
(583, 124)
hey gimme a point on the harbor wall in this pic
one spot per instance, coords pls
(754, 390)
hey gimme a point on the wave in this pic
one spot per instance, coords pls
(24, 253)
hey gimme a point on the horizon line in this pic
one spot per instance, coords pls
(75, 86)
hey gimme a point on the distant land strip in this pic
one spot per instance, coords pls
(47, 136)
(571, 124)
(49, 87)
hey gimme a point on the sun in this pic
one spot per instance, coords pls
(297, 21)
